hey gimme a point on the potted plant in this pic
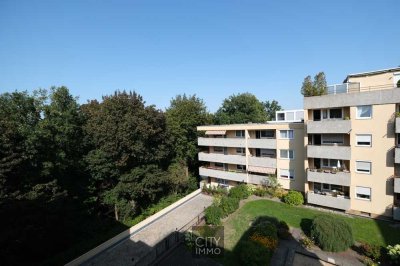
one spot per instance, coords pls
(346, 118)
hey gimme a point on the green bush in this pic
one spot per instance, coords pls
(398, 83)
(240, 191)
(293, 198)
(213, 215)
(371, 251)
(228, 205)
(394, 253)
(252, 253)
(331, 233)
(261, 192)
(214, 190)
(265, 228)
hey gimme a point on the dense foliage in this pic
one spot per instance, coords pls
(241, 108)
(294, 198)
(331, 233)
(314, 88)
(68, 172)
(240, 191)
(214, 214)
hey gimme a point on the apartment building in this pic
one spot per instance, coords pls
(251, 152)
(343, 156)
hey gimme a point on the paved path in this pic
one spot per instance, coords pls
(130, 250)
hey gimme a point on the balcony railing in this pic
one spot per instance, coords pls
(329, 126)
(397, 124)
(397, 184)
(338, 202)
(222, 142)
(267, 143)
(222, 158)
(397, 155)
(262, 161)
(329, 152)
(239, 176)
(333, 177)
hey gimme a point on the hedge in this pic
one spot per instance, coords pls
(294, 198)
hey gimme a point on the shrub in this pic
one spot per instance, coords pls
(293, 198)
(240, 191)
(331, 233)
(229, 205)
(283, 230)
(278, 193)
(371, 251)
(252, 253)
(394, 253)
(214, 190)
(306, 242)
(261, 192)
(213, 215)
(368, 261)
(398, 84)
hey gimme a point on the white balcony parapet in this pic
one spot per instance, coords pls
(262, 162)
(329, 126)
(258, 179)
(262, 143)
(220, 173)
(340, 203)
(397, 155)
(222, 158)
(222, 142)
(329, 152)
(397, 185)
(334, 178)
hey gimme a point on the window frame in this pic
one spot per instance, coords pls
(288, 153)
(364, 118)
(242, 151)
(222, 181)
(264, 130)
(361, 145)
(241, 135)
(361, 198)
(241, 167)
(362, 172)
(287, 133)
(219, 152)
(291, 175)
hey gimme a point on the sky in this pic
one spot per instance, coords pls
(210, 48)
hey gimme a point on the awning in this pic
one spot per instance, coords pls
(263, 170)
(215, 132)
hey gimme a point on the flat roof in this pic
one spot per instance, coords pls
(375, 72)
(253, 126)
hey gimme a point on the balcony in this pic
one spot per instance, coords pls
(223, 174)
(396, 213)
(330, 152)
(222, 158)
(397, 124)
(397, 155)
(258, 179)
(222, 142)
(261, 143)
(397, 185)
(329, 127)
(340, 203)
(331, 177)
(262, 162)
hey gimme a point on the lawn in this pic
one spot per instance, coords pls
(364, 229)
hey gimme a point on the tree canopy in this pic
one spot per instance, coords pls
(241, 108)
(314, 88)
(271, 107)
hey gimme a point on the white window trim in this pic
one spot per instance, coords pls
(370, 168)
(364, 118)
(287, 133)
(288, 178)
(370, 196)
(286, 158)
(357, 145)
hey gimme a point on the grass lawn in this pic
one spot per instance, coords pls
(364, 229)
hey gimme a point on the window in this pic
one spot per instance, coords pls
(364, 112)
(332, 139)
(286, 134)
(267, 153)
(330, 163)
(240, 167)
(363, 167)
(281, 116)
(240, 151)
(239, 133)
(363, 193)
(286, 174)
(220, 165)
(286, 154)
(364, 140)
(219, 149)
(222, 181)
(267, 134)
(335, 113)
(326, 187)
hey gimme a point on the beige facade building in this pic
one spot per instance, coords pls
(341, 152)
